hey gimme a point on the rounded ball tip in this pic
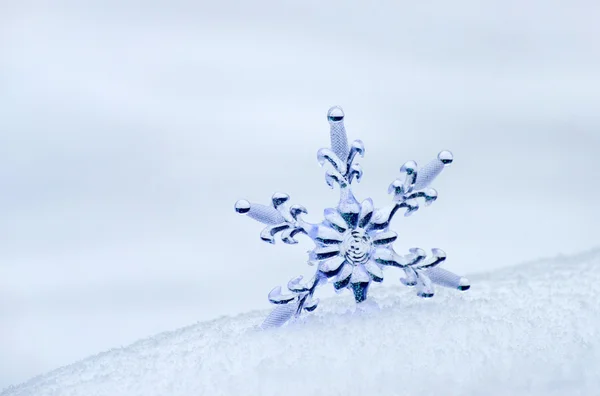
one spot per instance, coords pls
(279, 199)
(280, 196)
(242, 206)
(464, 284)
(335, 114)
(446, 157)
(409, 167)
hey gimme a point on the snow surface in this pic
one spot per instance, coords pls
(532, 329)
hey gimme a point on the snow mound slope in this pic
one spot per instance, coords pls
(527, 330)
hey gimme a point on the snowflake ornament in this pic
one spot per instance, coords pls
(354, 243)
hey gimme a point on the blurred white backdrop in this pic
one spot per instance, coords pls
(129, 129)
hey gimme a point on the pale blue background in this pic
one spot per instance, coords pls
(129, 129)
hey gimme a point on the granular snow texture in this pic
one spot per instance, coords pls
(527, 330)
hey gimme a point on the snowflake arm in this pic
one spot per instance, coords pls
(279, 218)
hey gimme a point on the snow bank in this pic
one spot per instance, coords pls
(527, 330)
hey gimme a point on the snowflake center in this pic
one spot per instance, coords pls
(357, 246)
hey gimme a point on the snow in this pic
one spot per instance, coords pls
(532, 329)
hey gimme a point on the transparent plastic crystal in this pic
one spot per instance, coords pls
(353, 243)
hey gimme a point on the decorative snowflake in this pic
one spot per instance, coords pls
(353, 244)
